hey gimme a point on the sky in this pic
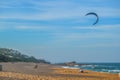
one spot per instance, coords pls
(59, 31)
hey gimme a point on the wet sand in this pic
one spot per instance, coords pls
(27, 71)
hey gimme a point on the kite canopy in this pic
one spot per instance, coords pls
(92, 13)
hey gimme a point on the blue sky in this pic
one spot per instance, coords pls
(58, 30)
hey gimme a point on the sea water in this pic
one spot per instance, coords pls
(99, 67)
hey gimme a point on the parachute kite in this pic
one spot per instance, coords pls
(92, 13)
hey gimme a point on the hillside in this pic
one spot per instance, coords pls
(10, 55)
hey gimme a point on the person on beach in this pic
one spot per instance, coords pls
(0, 67)
(81, 71)
(36, 66)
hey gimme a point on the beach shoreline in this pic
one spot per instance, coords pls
(26, 71)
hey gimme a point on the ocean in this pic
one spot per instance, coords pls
(98, 67)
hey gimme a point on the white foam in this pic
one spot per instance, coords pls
(116, 71)
(69, 67)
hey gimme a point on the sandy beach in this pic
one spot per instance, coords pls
(27, 71)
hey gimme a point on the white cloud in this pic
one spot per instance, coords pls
(36, 28)
(99, 27)
(52, 10)
(81, 36)
(107, 32)
(2, 28)
(30, 27)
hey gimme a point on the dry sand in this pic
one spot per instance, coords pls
(27, 68)
(27, 71)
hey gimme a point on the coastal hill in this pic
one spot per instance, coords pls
(10, 55)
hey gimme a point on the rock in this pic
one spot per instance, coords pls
(71, 63)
